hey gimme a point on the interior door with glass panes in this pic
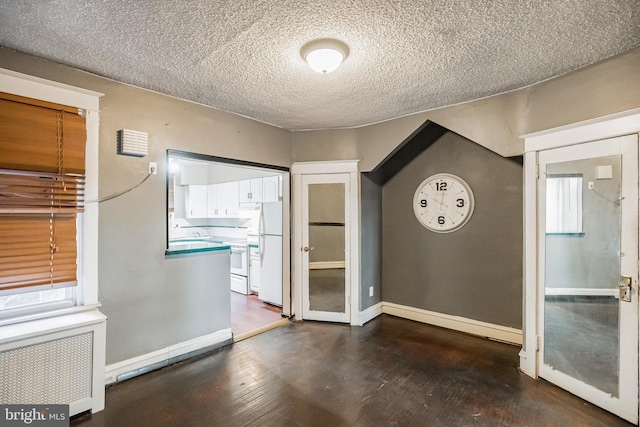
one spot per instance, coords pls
(588, 252)
(325, 231)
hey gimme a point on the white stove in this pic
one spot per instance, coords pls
(239, 267)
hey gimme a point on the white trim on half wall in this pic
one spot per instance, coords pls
(165, 356)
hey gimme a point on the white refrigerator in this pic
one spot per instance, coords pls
(270, 245)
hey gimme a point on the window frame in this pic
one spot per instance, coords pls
(86, 292)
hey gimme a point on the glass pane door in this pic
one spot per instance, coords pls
(325, 288)
(582, 245)
(588, 307)
(326, 236)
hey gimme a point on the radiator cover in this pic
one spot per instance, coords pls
(52, 372)
(60, 364)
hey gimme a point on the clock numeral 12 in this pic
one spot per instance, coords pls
(441, 186)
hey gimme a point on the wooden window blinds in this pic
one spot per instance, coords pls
(42, 158)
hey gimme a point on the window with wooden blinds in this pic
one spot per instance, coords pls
(42, 151)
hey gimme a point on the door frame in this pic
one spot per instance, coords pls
(299, 169)
(615, 125)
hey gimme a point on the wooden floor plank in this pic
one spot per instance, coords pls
(389, 372)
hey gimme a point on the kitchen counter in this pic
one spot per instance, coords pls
(195, 245)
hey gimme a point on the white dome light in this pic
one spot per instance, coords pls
(324, 55)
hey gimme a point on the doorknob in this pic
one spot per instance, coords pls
(307, 248)
(625, 289)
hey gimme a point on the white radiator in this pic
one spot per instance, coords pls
(63, 364)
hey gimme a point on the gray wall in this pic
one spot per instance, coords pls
(134, 276)
(496, 123)
(152, 301)
(370, 242)
(475, 272)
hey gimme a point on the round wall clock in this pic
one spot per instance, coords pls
(443, 203)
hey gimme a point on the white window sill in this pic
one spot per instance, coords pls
(48, 323)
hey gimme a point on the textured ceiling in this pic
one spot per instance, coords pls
(243, 56)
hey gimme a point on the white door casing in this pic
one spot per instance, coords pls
(349, 170)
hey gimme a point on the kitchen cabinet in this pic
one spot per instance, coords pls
(214, 193)
(222, 200)
(230, 197)
(271, 189)
(244, 191)
(211, 201)
(196, 201)
(250, 190)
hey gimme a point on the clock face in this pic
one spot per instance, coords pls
(443, 203)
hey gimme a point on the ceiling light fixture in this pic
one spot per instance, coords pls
(324, 55)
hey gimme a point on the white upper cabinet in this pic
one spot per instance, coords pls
(222, 200)
(214, 194)
(230, 198)
(271, 189)
(196, 201)
(250, 191)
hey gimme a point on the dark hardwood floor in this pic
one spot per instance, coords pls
(389, 372)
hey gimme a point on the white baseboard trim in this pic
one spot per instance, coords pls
(462, 324)
(326, 265)
(139, 363)
(581, 292)
(368, 314)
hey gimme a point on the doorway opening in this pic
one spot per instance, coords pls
(245, 206)
(326, 241)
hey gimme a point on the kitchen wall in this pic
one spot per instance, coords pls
(153, 301)
(474, 272)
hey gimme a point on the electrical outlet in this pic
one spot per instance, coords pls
(590, 185)
(370, 291)
(153, 168)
